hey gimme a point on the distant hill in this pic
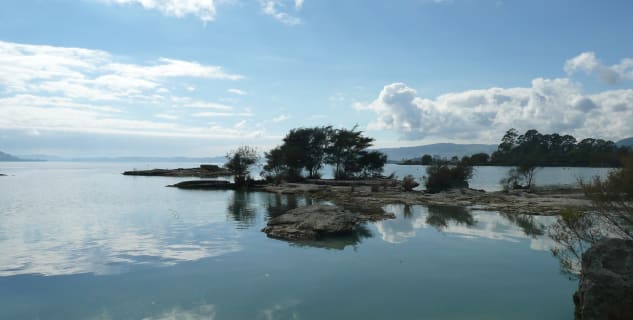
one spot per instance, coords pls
(628, 142)
(8, 157)
(444, 150)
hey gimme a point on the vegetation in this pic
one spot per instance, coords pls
(541, 150)
(520, 177)
(239, 163)
(308, 149)
(533, 149)
(610, 217)
(408, 183)
(444, 176)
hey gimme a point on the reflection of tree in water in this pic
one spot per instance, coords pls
(241, 209)
(407, 211)
(530, 227)
(337, 242)
(278, 204)
(441, 216)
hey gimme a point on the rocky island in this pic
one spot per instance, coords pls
(312, 222)
(204, 171)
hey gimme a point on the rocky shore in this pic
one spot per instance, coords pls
(204, 171)
(606, 285)
(548, 202)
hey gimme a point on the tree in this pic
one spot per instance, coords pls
(479, 158)
(442, 176)
(611, 216)
(520, 177)
(239, 163)
(372, 163)
(344, 151)
(427, 159)
(275, 167)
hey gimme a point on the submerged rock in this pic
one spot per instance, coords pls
(312, 222)
(204, 184)
(606, 285)
(309, 222)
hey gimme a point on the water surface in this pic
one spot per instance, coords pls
(81, 241)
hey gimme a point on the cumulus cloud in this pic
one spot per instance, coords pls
(204, 10)
(548, 105)
(588, 63)
(274, 8)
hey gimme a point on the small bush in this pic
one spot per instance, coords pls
(408, 183)
(442, 176)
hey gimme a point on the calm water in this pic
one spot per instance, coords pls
(81, 241)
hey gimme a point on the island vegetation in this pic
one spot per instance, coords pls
(541, 150)
(305, 151)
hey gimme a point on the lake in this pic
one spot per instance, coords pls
(82, 241)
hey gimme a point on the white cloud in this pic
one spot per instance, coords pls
(548, 105)
(237, 92)
(204, 10)
(588, 63)
(222, 114)
(298, 4)
(274, 9)
(165, 68)
(46, 88)
(91, 74)
(166, 116)
(281, 118)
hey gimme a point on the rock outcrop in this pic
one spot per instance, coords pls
(312, 222)
(204, 171)
(606, 285)
(204, 185)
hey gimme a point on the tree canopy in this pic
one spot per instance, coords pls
(308, 149)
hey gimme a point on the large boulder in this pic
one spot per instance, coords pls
(310, 222)
(606, 285)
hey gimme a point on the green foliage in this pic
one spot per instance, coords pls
(612, 199)
(521, 177)
(408, 183)
(611, 216)
(307, 149)
(239, 162)
(345, 150)
(427, 159)
(442, 176)
(554, 149)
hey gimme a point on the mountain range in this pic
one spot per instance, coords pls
(628, 142)
(8, 157)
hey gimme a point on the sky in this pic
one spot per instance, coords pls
(202, 77)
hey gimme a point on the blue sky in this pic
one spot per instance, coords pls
(201, 77)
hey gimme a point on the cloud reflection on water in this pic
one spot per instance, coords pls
(109, 247)
(464, 222)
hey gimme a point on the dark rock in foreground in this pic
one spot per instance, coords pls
(204, 171)
(606, 286)
(205, 184)
(218, 185)
(311, 222)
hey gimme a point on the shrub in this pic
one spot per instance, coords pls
(442, 176)
(408, 183)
